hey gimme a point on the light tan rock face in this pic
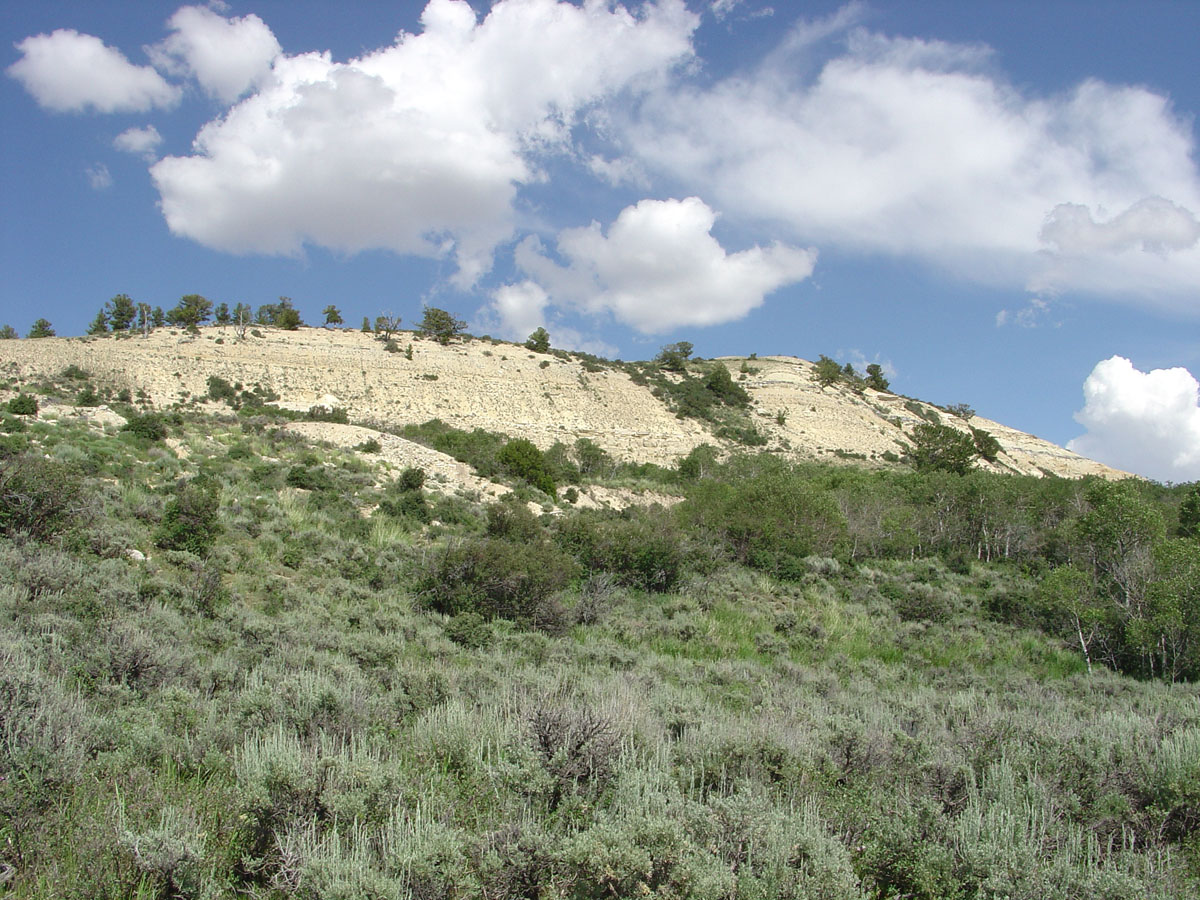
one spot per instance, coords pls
(820, 421)
(504, 387)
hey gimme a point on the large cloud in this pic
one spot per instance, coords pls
(917, 148)
(66, 71)
(1143, 422)
(417, 148)
(658, 268)
(226, 56)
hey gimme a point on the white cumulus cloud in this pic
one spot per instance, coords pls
(226, 56)
(517, 310)
(520, 309)
(659, 267)
(66, 71)
(142, 142)
(918, 148)
(1153, 225)
(1143, 422)
(419, 147)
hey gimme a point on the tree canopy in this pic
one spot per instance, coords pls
(122, 312)
(441, 325)
(674, 357)
(941, 447)
(538, 341)
(191, 311)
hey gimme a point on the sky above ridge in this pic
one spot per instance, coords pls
(998, 202)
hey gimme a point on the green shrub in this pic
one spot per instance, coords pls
(411, 479)
(469, 629)
(721, 385)
(643, 550)
(23, 405)
(148, 426)
(370, 445)
(986, 444)
(39, 496)
(190, 518)
(476, 448)
(321, 413)
(495, 578)
(220, 389)
(1174, 784)
(87, 397)
(743, 433)
(405, 504)
(522, 459)
(308, 478)
(767, 516)
(591, 457)
(513, 521)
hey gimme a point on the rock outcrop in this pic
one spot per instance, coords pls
(504, 387)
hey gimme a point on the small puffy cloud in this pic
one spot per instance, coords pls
(99, 177)
(659, 267)
(723, 9)
(918, 148)
(1031, 316)
(66, 71)
(419, 147)
(142, 142)
(1143, 422)
(617, 172)
(520, 309)
(226, 56)
(1153, 224)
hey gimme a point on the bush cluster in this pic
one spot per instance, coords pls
(495, 578)
(799, 681)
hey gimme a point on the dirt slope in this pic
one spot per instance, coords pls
(504, 387)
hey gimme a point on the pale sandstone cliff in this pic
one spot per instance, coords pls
(504, 387)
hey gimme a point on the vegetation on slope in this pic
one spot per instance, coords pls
(799, 682)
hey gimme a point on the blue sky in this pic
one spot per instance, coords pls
(997, 202)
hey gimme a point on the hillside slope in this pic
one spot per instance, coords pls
(503, 387)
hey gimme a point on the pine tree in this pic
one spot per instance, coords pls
(99, 324)
(121, 312)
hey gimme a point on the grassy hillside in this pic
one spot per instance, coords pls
(238, 664)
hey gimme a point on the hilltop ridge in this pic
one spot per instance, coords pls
(504, 387)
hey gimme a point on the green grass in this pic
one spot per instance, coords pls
(278, 718)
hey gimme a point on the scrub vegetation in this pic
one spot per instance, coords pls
(233, 664)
